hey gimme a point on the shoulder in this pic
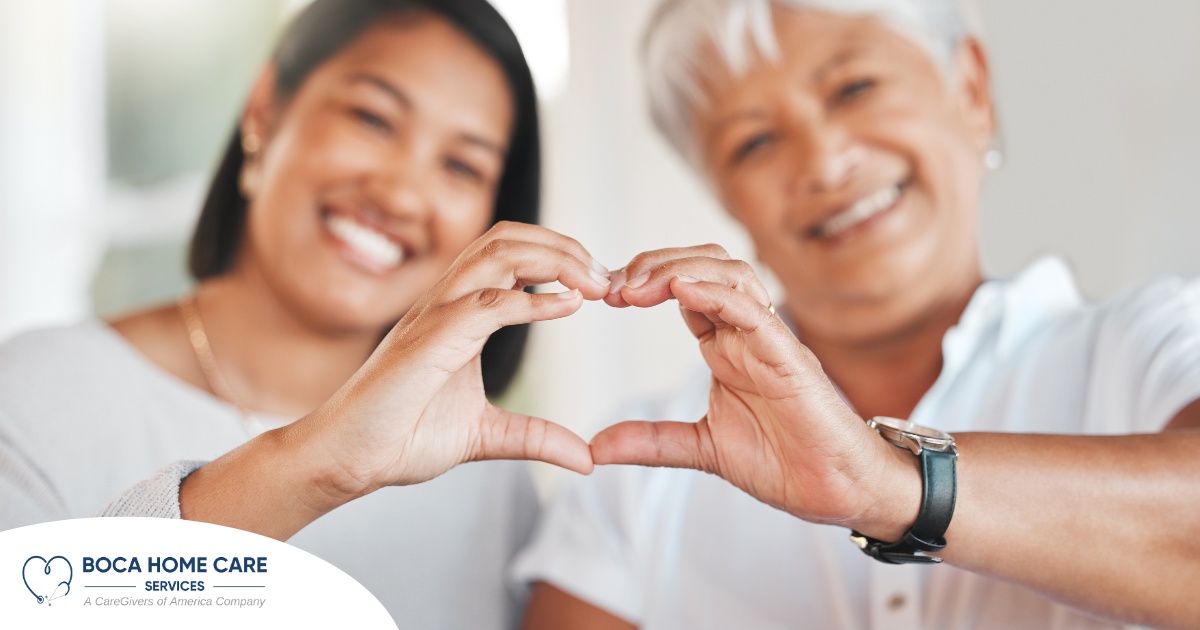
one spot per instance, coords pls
(1164, 305)
(54, 348)
(1143, 351)
(85, 369)
(1048, 309)
(160, 335)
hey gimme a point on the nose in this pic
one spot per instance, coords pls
(826, 157)
(400, 187)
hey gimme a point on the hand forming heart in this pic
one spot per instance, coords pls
(776, 427)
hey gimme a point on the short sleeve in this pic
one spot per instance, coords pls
(1148, 352)
(600, 538)
(584, 546)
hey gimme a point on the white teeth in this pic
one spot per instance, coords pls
(366, 241)
(862, 210)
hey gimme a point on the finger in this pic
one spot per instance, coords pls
(646, 261)
(722, 303)
(508, 435)
(699, 324)
(767, 337)
(447, 336)
(670, 444)
(479, 314)
(616, 283)
(514, 231)
(654, 287)
(508, 264)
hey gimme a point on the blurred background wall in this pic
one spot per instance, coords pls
(112, 114)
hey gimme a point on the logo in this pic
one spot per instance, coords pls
(48, 580)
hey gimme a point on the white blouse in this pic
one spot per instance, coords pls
(677, 549)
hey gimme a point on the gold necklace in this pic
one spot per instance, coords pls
(190, 314)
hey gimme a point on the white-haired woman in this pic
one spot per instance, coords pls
(851, 139)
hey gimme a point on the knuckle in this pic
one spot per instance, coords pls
(638, 262)
(744, 273)
(715, 250)
(496, 248)
(503, 227)
(572, 243)
(490, 298)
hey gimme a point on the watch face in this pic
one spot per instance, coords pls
(905, 426)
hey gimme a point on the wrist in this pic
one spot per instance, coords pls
(895, 490)
(321, 479)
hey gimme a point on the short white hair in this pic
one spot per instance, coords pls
(737, 29)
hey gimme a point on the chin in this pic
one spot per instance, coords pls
(339, 315)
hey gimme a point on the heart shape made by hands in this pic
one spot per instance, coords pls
(48, 580)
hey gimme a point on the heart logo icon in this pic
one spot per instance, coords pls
(48, 580)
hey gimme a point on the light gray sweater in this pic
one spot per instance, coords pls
(87, 422)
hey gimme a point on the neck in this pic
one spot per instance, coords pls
(274, 361)
(888, 375)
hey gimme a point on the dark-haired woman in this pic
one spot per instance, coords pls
(374, 152)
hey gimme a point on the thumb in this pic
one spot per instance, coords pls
(508, 435)
(670, 444)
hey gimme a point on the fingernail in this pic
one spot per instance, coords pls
(687, 279)
(600, 280)
(618, 281)
(600, 269)
(638, 281)
(568, 295)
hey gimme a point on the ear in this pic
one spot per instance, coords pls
(974, 93)
(258, 120)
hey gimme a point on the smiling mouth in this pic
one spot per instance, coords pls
(372, 246)
(864, 209)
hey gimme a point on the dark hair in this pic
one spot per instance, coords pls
(318, 33)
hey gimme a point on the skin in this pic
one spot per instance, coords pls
(406, 128)
(384, 131)
(872, 306)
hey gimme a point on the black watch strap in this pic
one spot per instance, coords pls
(938, 495)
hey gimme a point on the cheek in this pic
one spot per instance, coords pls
(755, 196)
(319, 147)
(458, 222)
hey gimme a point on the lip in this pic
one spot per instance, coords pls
(814, 230)
(351, 254)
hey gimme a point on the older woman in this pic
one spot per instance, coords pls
(851, 139)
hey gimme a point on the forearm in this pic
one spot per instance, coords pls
(1106, 524)
(274, 485)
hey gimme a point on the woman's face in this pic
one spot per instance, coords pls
(376, 174)
(856, 167)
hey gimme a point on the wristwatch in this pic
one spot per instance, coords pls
(938, 455)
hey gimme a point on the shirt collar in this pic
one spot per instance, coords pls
(1014, 309)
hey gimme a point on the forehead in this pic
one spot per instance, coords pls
(438, 67)
(810, 45)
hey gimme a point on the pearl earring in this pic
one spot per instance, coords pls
(993, 159)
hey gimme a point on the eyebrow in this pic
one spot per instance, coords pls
(381, 83)
(407, 103)
(819, 75)
(752, 114)
(839, 59)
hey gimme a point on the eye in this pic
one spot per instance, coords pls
(371, 120)
(853, 90)
(752, 145)
(461, 169)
